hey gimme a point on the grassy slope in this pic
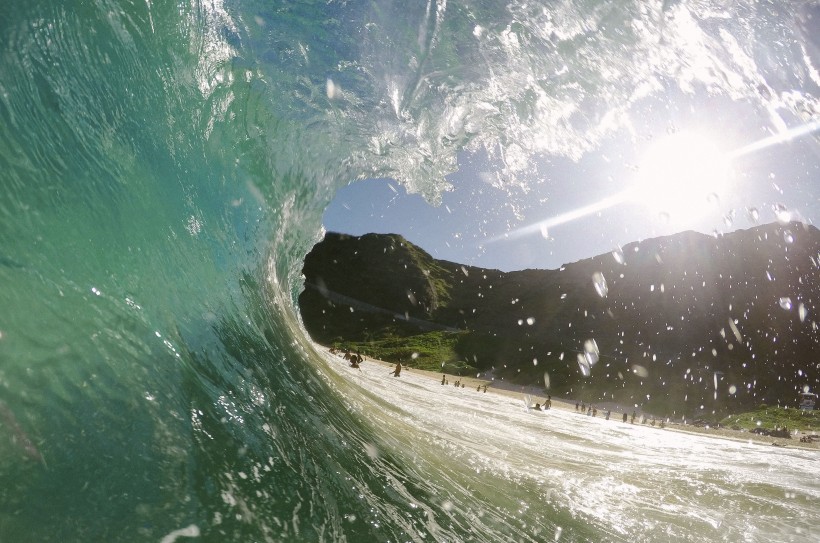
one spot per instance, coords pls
(775, 417)
(423, 351)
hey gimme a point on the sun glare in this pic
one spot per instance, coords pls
(680, 174)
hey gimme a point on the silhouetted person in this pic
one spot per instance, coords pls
(485, 388)
(576, 406)
(625, 417)
(548, 403)
(397, 371)
(443, 379)
(632, 420)
(538, 406)
(608, 412)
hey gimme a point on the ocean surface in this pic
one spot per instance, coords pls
(163, 171)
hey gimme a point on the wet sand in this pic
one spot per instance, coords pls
(537, 395)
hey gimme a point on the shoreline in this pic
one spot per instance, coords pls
(538, 396)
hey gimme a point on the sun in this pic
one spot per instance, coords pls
(680, 175)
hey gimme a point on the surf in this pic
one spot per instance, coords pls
(164, 169)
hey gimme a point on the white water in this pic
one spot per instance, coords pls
(628, 482)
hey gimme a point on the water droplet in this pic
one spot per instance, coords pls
(414, 356)
(583, 365)
(530, 321)
(372, 451)
(546, 380)
(618, 255)
(802, 311)
(753, 214)
(732, 389)
(591, 353)
(544, 232)
(786, 303)
(782, 213)
(640, 371)
(600, 284)
(788, 237)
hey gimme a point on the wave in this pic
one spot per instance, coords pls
(164, 170)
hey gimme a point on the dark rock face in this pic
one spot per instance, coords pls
(687, 319)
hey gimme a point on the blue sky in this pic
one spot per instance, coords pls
(476, 223)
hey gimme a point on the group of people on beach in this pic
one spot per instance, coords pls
(581, 407)
(458, 384)
(354, 358)
(592, 411)
(547, 404)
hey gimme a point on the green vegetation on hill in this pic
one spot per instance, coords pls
(433, 351)
(770, 417)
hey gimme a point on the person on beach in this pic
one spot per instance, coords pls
(485, 389)
(576, 406)
(625, 417)
(632, 420)
(608, 412)
(548, 403)
(397, 371)
(443, 379)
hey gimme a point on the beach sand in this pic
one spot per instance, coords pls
(537, 395)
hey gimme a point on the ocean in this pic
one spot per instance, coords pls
(163, 171)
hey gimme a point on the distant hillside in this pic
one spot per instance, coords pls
(685, 323)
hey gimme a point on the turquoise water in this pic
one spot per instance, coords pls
(164, 168)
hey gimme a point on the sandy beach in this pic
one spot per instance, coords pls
(537, 395)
